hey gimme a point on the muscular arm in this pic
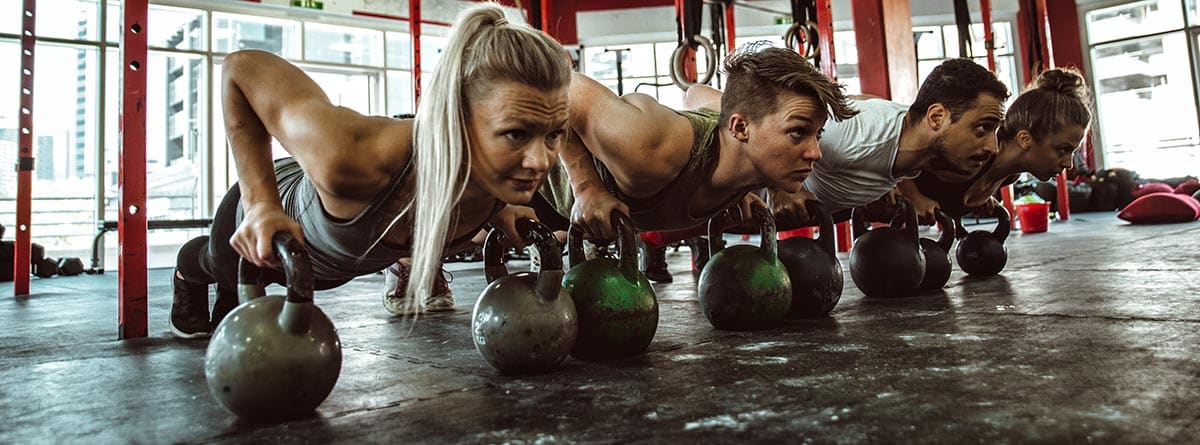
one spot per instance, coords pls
(264, 97)
(339, 149)
(641, 142)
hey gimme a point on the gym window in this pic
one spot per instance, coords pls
(1144, 73)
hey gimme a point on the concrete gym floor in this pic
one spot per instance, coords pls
(1092, 333)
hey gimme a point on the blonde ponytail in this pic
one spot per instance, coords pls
(483, 48)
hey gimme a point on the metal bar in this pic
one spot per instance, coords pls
(546, 10)
(131, 217)
(401, 18)
(754, 7)
(25, 142)
(101, 118)
(414, 31)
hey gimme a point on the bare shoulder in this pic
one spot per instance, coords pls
(359, 165)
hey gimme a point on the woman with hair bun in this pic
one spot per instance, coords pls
(1041, 131)
(362, 192)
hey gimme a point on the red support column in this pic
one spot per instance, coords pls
(25, 142)
(989, 43)
(414, 29)
(825, 34)
(689, 55)
(1043, 23)
(887, 54)
(730, 29)
(829, 67)
(131, 220)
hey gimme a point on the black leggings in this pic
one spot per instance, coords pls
(210, 259)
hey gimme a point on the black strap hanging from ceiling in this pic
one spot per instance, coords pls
(802, 36)
(962, 18)
(689, 24)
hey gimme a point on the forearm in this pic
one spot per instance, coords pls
(581, 168)
(250, 143)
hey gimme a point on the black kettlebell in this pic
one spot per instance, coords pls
(274, 357)
(743, 287)
(887, 262)
(813, 267)
(524, 322)
(618, 311)
(937, 253)
(983, 253)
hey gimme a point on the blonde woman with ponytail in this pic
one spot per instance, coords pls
(1041, 132)
(362, 192)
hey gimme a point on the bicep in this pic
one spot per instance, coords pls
(622, 127)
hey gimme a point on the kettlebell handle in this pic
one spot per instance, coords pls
(626, 245)
(858, 222)
(535, 232)
(1003, 223)
(909, 213)
(768, 243)
(946, 239)
(297, 268)
(824, 225)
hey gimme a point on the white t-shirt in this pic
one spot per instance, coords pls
(857, 155)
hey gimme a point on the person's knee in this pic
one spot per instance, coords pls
(188, 262)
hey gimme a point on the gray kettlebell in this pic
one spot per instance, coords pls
(274, 357)
(524, 322)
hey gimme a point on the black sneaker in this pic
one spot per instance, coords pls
(227, 300)
(654, 264)
(189, 310)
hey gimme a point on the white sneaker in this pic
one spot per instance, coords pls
(394, 300)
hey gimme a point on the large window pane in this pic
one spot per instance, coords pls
(177, 28)
(350, 89)
(1146, 105)
(232, 32)
(339, 44)
(432, 46)
(10, 55)
(399, 50)
(10, 17)
(929, 42)
(65, 139)
(66, 19)
(1133, 19)
(399, 92)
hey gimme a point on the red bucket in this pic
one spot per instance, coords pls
(1035, 217)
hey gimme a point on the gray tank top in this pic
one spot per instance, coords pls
(341, 249)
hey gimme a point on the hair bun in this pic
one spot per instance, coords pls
(1065, 81)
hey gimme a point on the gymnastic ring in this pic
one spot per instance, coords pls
(677, 62)
(806, 39)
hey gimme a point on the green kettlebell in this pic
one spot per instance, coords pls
(524, 322)
(274, 357)
(618, 311)
(744, 288)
